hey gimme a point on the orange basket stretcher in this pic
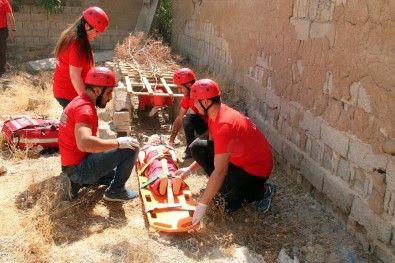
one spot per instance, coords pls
(169, 212)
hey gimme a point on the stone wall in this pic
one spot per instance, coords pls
(317, 76)
(39, 31)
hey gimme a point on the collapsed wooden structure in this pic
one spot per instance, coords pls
(137, 82)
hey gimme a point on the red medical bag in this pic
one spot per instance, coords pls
(27, 131)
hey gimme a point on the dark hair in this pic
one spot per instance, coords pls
(75, 32)
(216, 99)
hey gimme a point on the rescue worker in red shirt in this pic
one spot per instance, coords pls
(188, 115)
(237, 158)
(74, 54)
(87, 159)
(6, 17)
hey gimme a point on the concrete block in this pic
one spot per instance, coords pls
(362, 155)
(40, 32)
(317, 151)
(254, 87)
(121, 117)
(343, 170)
(376, 202)
(302, 27)
(335, 139)
(327, 158)
(105, 132)
(390, 178)
(389, 202)
(301, 8)
(311, 124)
(313, 7)
(42, 64)
(307, 148)
(296, 137)
(376, 227)
(325, 11)
(291, 112)
(272, 100)
(320, 30)
(50, 63)
(338, 192)
(383, 252)
(292, 154)
(359, 181)
(39, 17)
(313, 172)
(121, 99)
(274, 138)
(286, 129)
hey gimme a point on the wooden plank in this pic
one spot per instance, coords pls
(128, 84)
(168, 89)
(139, 84)
(157, 94)
(148, 86)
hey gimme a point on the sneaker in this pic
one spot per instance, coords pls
(187, 154)
(263, 205)
(176, 185)
(153, 111)
(163, 185)
(121, 196)
(70, 188)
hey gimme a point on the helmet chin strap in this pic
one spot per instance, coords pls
(205, 109)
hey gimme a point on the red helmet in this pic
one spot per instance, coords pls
(183, 75)
(100, 76)
(204, 89)
(159, 101)
(96, 17)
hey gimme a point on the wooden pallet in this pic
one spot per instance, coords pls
(143, 78)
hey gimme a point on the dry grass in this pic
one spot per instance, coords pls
(145, 54)
(38, 225)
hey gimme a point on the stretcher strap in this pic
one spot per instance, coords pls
(150, 181)
(151, 160)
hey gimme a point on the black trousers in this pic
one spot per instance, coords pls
(3, 48)
(193, 123)
(239, 186)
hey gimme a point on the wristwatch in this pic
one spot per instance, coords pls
(13, 30)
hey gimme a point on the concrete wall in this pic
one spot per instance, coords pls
(39, 31)
(319, 83)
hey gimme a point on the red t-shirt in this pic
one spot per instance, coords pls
(187, 102)
(235, 133)
(4, 9)
(62, 85)
(80, 110)
(147, 100)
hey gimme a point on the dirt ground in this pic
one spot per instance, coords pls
(38, 225)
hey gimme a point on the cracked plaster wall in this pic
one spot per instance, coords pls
(317, 75)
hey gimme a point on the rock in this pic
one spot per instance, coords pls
(284, 258)
(3, 169)
(389, 146)
(106, 133)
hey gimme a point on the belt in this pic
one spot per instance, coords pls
(68, 169)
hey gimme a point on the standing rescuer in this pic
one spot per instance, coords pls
(237, 157)
(188, 116)
(6, 18)
(74, 54)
